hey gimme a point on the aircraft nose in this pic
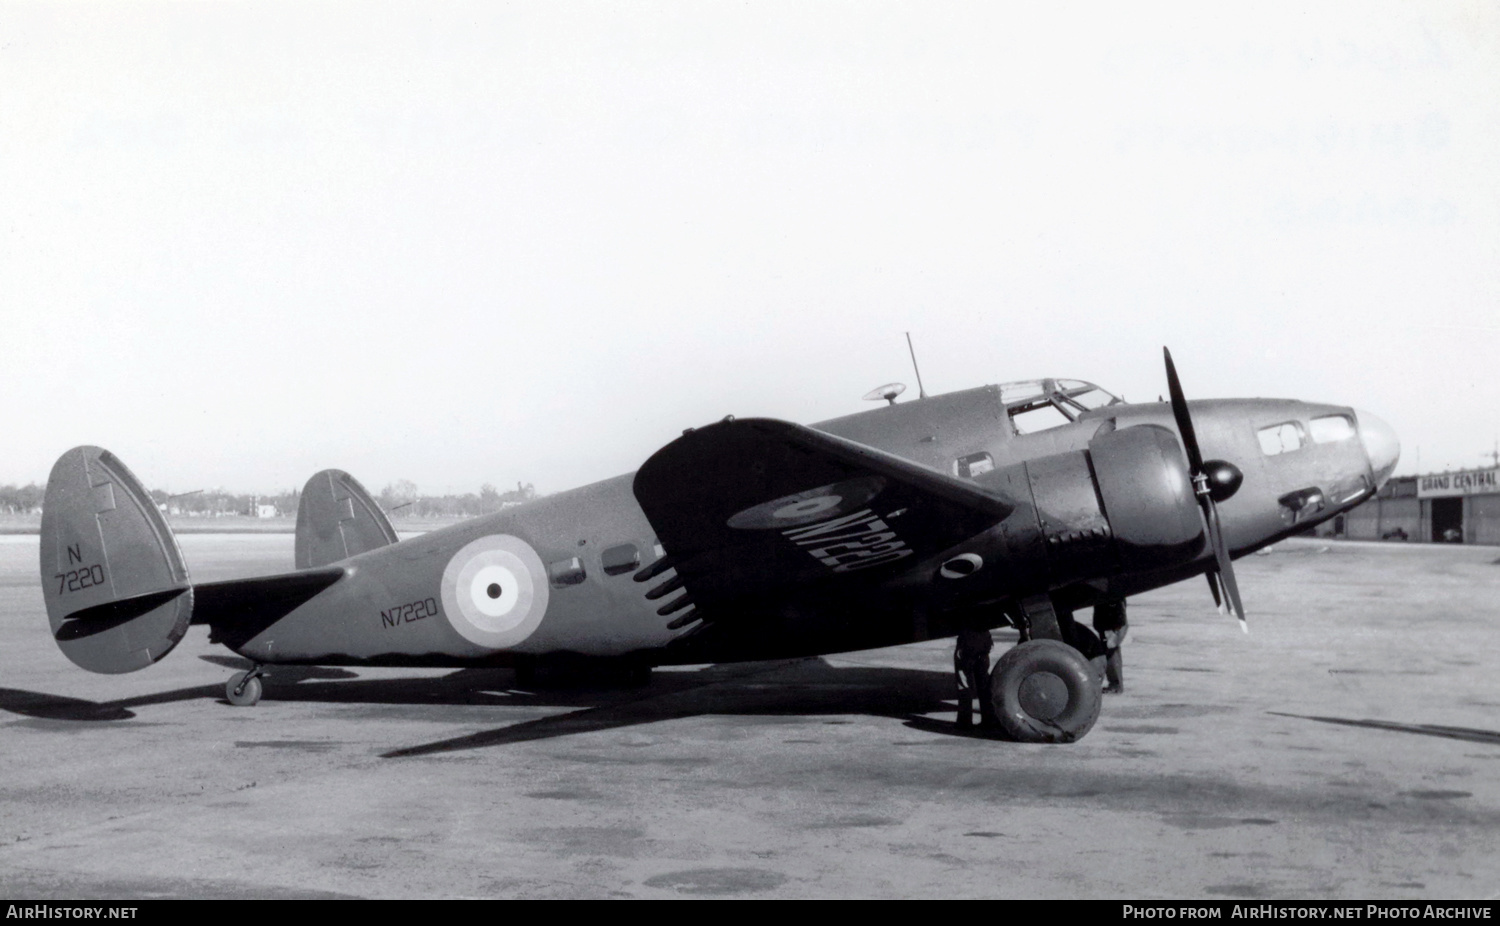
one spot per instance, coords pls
(1381, 445)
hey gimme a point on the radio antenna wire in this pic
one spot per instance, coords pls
(921, 393)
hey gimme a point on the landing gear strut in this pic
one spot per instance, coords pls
(1044, 690)
(244, 690)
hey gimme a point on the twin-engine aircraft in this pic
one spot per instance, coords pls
(755, 539)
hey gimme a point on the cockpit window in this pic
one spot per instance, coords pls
(1011, 393)
(1086, 395)
(1038, 418)
(1038, 404)
(1330, 428)
(1280, 438)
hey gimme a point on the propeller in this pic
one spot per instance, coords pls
(1213, 482)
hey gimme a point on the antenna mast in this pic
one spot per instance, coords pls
(921, 393)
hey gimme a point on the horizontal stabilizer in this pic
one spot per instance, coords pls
(114, 582)
(112, 614)
(337, 519)
(237, 610)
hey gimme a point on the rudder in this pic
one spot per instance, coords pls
(116, 587)
(337, 519)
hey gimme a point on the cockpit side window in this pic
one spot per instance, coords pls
(1330, 428)
(1086, 396)
(1280, 438)
(1033, 418)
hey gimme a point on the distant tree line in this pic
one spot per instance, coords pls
(218, 502)
(20, 499)
(204, 502)
(400, 499)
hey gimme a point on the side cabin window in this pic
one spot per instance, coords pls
(974, 464)
(566, 572)
(1330, 428)
(1280, 438)
(621, 559)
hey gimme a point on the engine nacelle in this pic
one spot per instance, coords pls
(1124, 504)
(1147, 493)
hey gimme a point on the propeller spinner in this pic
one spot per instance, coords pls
(1213, 482)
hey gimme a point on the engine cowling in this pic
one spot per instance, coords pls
(1123, 504)
(1147, 493)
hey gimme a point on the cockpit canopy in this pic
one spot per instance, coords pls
(1038, 404)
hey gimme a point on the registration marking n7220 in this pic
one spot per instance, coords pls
(856, 541)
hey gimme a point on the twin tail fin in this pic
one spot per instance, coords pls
(117, 589)
(337, 519)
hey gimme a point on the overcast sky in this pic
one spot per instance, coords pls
(477, 243)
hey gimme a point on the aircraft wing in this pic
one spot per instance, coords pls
(759, 509)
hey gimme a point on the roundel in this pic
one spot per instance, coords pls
(495, 591)
(812, 505)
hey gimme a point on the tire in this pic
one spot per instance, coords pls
(243, 692)
(1044, 691)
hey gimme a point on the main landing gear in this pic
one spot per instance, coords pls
(1046, 689)
(244, 690)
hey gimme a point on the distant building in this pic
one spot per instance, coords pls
(265, 511)
(1461, 507)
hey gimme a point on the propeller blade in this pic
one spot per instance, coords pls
(1213, 587)
(1222, 574)
(1226, 567)
(1184, 420)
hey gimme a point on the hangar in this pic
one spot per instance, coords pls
(1453, 507)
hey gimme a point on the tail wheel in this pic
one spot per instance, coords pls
(1044, 691)
(243, 690)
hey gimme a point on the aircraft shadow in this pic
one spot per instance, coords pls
(45, 706)
(800, 688)
(1467, 734)
(804, 687)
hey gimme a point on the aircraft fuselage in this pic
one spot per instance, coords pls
(396, 604)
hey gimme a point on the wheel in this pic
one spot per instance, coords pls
(1044, 691)
(243, 691)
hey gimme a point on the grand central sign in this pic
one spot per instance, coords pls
(1446, 485)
